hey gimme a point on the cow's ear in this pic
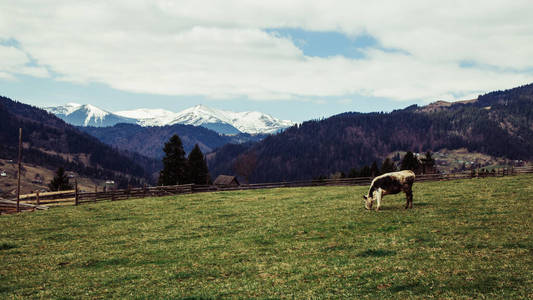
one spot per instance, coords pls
(365, 197)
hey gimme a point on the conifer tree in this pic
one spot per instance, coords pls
(353, 173)
(374, 171)
(198, 172)
(428, 163)
(365, 172)
(387, 166)
(174, 163)
(410, 162)
(60, 181)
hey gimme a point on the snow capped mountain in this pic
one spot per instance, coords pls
(256, 122)
(249, 122)
(149, 117)
(87, 115)
(221, 121)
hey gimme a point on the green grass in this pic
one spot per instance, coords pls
(463, 239)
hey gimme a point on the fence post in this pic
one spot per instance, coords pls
(113, 194)
(38, 202)
(95, 191)
(19, 169)
(76, 191)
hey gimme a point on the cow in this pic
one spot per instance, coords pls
(390, 183)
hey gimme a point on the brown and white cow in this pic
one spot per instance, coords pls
(390, 183)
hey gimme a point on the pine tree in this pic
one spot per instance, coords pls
(365, 172)
(428, 163)
(410, 162)
(174, 163)
(353, 173)
(374, 171)
(387, 166)
(60, 181)
(198, 172)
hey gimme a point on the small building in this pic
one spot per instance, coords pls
(226, 181)
(109, 185)
(38, 179)
(3, 174)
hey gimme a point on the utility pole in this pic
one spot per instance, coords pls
(20, 161)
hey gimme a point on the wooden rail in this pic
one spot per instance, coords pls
(75, 197)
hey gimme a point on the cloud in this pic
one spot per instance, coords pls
(14, 61)
(221, 49)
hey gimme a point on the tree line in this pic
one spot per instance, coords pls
(425, 165)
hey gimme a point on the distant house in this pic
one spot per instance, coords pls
(38, 179)
(226, 181)
(109, 185)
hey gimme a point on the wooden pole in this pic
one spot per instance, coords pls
(20, 162)
(95, 191)
(76, 191)
(38, 202)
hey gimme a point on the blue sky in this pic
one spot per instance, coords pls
(297, 61)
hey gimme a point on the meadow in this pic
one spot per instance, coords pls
(463, 239)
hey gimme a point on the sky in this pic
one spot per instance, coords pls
(296, 60)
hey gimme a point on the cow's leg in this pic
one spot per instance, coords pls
(378, 199)
(409, 196)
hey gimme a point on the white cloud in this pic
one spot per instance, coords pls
(219, 49)
(6, 76)
(14, 61)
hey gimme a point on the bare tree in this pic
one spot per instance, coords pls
(245, 165)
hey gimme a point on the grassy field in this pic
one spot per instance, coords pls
(464, 239)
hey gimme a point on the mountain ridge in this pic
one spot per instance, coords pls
(149, 141)
(499, 124)
(221, 121)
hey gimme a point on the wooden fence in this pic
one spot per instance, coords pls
(76, 197)
(49, 198)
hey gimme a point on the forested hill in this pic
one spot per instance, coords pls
(149, 141)
(499, 124)
(51, 143)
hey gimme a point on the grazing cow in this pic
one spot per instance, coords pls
(390, 183)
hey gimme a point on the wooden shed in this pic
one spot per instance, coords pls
(226, 181)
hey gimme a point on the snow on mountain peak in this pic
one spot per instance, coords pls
(148, 116)
(94, 113)
(222, 121)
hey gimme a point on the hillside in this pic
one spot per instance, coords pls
(35, 178)
(499, 124)
(465, 239)
(149, 141)
(51, 143)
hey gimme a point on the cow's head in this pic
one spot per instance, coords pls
(369, 200)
